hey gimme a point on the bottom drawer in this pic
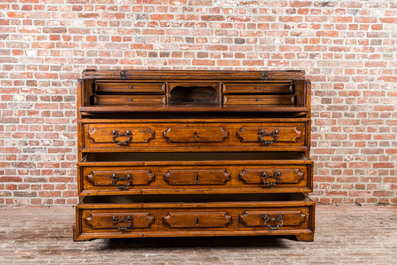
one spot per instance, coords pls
(195, 215)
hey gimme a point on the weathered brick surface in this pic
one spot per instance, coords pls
(344, 235)
(348, 49)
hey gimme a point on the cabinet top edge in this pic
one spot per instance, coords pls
(194, 74)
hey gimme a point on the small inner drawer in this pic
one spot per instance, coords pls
(129, 99)
(259, 100)
(129, 87)
(258, 88)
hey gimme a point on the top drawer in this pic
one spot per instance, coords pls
(258, 88)
(130, 87)
(195, 135)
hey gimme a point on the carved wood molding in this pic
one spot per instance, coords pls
(256, 218)
(274, 133)
(105, 177)
(197, 177)
(197, 219)
(286, 175)
(195, 135)
(106, 135)
(106, 220)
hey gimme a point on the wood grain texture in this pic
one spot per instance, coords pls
(194, 219)
(100, 220)
(210, 176)
(288, 218)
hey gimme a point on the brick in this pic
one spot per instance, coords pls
(162, 16)
(212, 18)
(384, 165)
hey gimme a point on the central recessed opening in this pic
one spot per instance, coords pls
(193, 95)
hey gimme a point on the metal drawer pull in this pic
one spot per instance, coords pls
(262, 133)
(126, 134)
(265, 176)
(116, 220)
(273, 220)
(122, 187)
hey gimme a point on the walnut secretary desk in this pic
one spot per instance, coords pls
(194, 153)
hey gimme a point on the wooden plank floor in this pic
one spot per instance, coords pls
(344, 235)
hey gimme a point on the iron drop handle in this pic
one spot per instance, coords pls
(116, 179)
(265, 176)
(273, 222)
(262, 133)
(126, 134)
(127, 220)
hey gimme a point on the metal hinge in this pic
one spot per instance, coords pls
(88, 70)
(123, 74)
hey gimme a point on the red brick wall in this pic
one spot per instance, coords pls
(347, 48)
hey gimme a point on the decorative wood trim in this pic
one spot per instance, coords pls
(105, 220)
(197, 220)
(113, 133)
(277, 134)
(194, 74)
(256, 218)
(197, 181)
(196, 135)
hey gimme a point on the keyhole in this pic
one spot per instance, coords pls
(197, 221)
(197, 178)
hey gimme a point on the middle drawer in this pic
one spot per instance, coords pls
(120, 173)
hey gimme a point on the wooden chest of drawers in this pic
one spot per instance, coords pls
(194, 153)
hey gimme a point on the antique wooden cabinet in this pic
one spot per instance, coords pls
(194, 153)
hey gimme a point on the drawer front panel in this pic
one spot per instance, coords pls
(196, 177)
(272, 219)
(119, 221)
(259, 100)
(119, 179)
(273, 176)
(195, 219)
(270, 134)
(120, 136)
(129, 87)
(129, 99)
(194, 137)
(262, 88)
(124, 220)
(236, 177)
